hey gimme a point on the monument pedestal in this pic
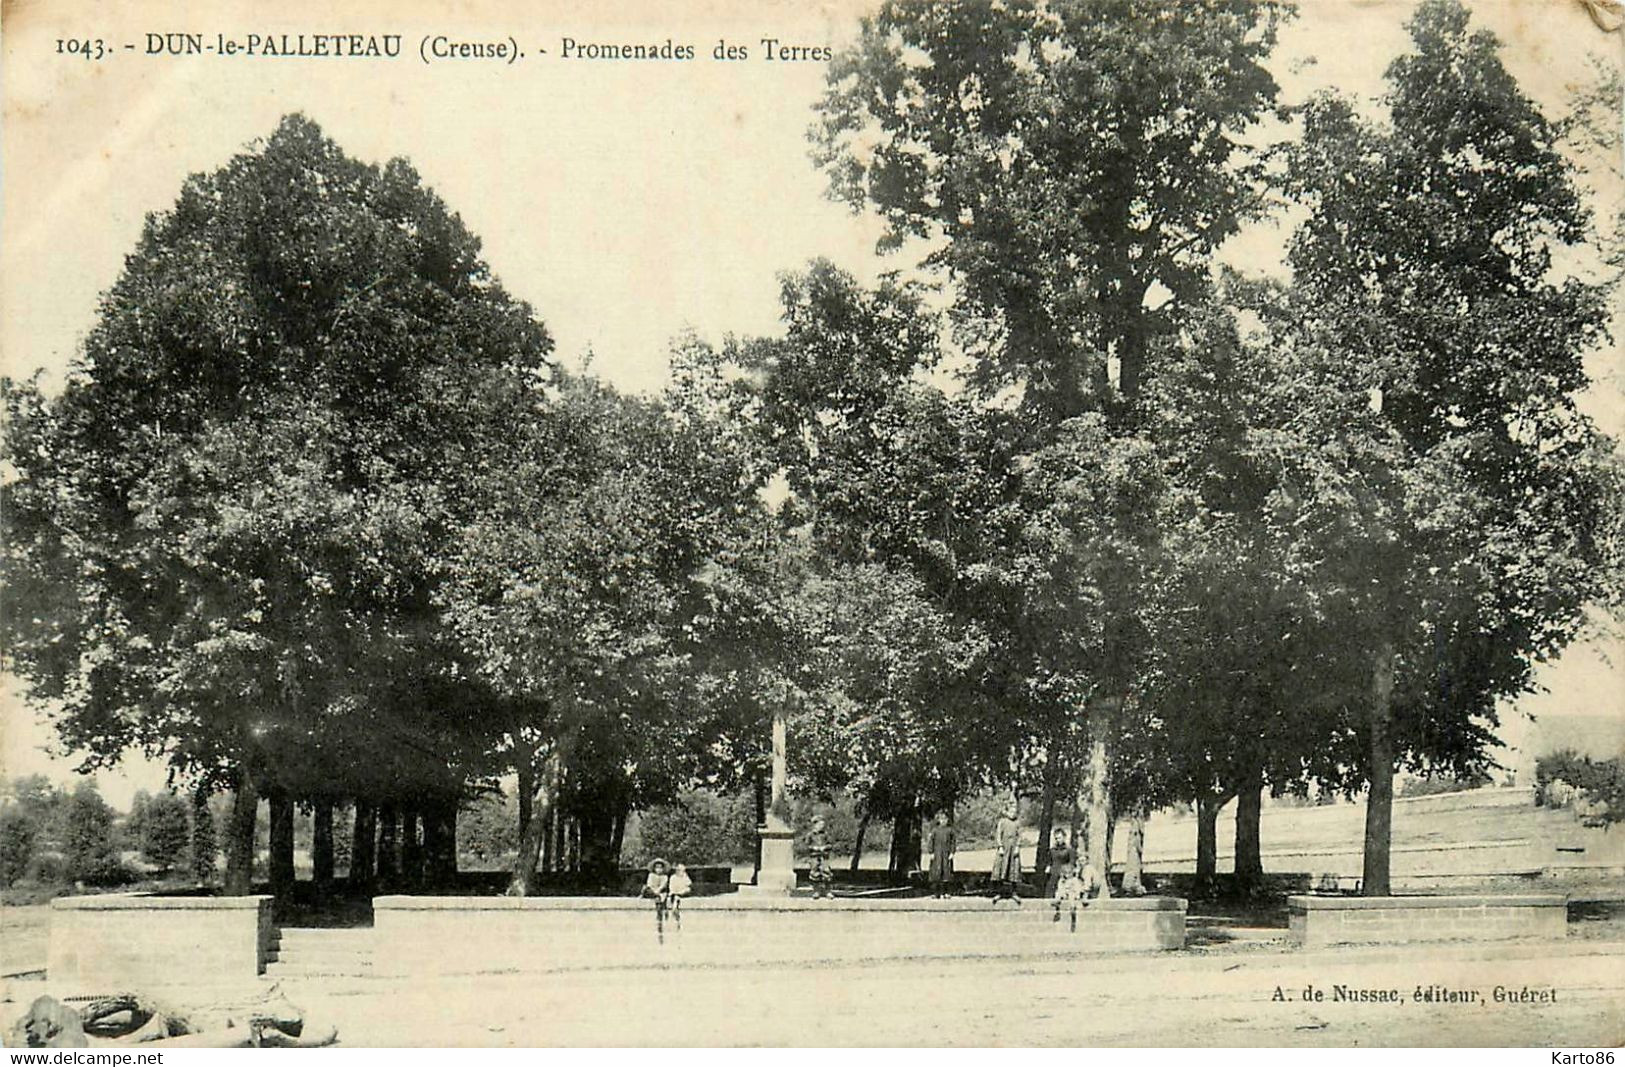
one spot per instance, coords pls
(777, 876)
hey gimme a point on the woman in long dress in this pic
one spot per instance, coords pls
(941, 845)
(1006, 856)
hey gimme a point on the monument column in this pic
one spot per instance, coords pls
(777, 873)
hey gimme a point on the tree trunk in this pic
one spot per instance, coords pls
(440, 844)
(914, 838)
(617, 841)
(321, 845)
(1099, 793)
(530, 842)
(759, 792)
(597, 829)
(1207, 836)
(364, 845)
(1379, 807)
(554, 860)
(1075, 827)
(857, 846)
(1249, 812)
(389, 847)
(905, 841)
(245, 804)
(1134, 863)
(527, 793)
(282, 876)
(411, 849)
(1111, 834)
(892, 851)
(537, 835)
(1046, 822)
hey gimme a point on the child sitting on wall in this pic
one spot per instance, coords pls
(680, 886)
(658, 886)
(1072, 892)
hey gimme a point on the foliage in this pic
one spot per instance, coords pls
(87, 835)
(488, 828)
(1451, 500)
(222, 529)
(1601, 783)
(891, 484)
(1442, 783)
(163, 830)
(19, 833)
(1069, 158)
(700, 828)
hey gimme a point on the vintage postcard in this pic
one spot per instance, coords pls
(902, 523)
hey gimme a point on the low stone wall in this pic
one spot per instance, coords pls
(127, 941)
(1349, 920)
(465, 935)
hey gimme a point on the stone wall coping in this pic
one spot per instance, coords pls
(1328, 903)
(731, 902)
(149, 902)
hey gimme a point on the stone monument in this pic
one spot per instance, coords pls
(777, 875)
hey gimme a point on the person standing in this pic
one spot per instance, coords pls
(1061, 860)
(1006, 856)
(821, 877)
(941, 846)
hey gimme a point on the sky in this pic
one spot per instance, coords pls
(625, 200)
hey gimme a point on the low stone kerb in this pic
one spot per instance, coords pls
(1317, 903)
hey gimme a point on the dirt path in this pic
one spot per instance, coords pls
(1220, 999)
(22, 936)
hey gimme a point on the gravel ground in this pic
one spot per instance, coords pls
(22, 936)
(1217, 998)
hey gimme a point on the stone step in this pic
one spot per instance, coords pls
(293, 970)
(306, 952)
(322, 952)
(313, 935)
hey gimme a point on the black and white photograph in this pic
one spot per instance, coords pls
(864, 524)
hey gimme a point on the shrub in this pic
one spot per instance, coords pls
(87, 833)
(18, 835)
(1443, 783)
(110, 873)
(488, 828)
(1600, 784)
(47, 869)
(700, 828)
(163, 832)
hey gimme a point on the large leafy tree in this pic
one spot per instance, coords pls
(1237, 668)
(1076, 163)
(588, 581)
(1452, 505)
(897, 489)
(222, 532)
(1073, 166)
